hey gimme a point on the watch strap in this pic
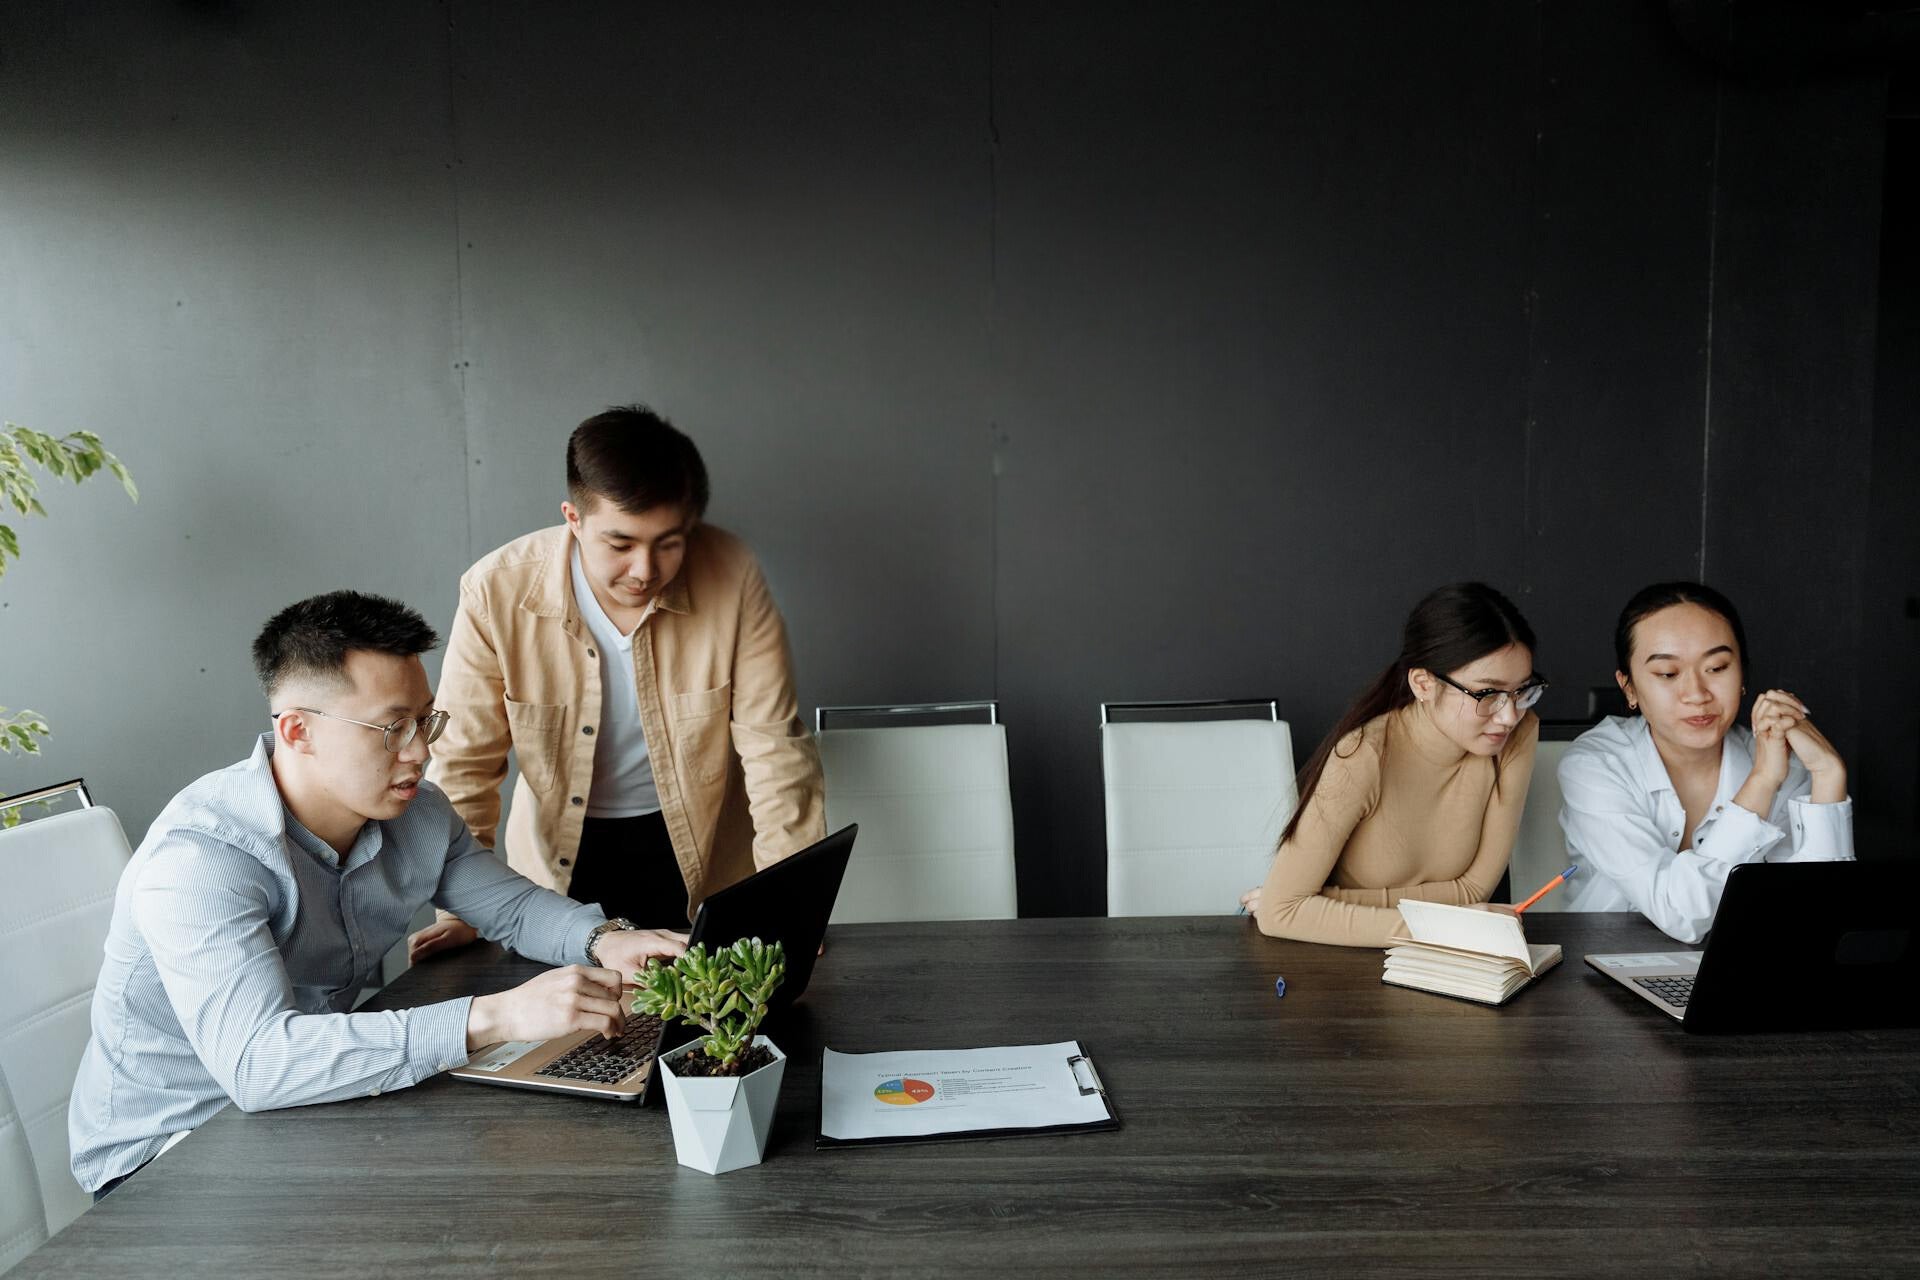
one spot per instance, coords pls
(618, 924)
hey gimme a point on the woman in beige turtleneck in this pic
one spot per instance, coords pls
(1417, 791)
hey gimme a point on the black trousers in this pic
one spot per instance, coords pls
(626, 865)
(108, 1188)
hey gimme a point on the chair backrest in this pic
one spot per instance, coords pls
(60, 874)
(1194, 811)
(1540, 848)
(936, 821)
(42, 802)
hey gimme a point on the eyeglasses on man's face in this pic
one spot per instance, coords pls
(1488, 703)
(398, 736)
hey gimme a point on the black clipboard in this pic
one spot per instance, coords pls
(1086, 1076)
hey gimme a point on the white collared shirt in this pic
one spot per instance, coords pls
(1624, 823)
(623, 785)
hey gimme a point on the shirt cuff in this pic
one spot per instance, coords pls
(437, 1037)
(1739, 835)
(574, 947)
(1821, 832)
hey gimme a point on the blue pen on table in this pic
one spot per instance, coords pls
(1548, 887)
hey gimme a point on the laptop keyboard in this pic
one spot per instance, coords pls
(609, 1061)
(1673, 991)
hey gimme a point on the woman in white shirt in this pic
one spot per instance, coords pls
(1660, 806)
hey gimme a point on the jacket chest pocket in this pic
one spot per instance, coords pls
(700, 731)
(536, 740)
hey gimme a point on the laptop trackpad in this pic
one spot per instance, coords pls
(501, 1056)
(1684, 961)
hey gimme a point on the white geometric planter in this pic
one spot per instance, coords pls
(721, 1123)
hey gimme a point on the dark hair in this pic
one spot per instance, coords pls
(1664, 595)
(1447, 630)
(635, 459)
(313, 637)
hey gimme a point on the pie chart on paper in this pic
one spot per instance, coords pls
(904, 1092)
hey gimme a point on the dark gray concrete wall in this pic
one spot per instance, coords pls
(1887, 773)
(224, 247)
(1048, 352)
(1261, 319)
(773, 225)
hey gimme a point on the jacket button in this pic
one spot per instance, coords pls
(566, 862)
(578, 800)
(587, 729)
(592, 654)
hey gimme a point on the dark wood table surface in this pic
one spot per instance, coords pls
(1347, 1128)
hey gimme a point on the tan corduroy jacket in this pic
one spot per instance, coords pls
(738, 775)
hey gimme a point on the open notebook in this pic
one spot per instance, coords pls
(1464, 952)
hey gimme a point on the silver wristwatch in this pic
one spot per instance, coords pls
(615, 925)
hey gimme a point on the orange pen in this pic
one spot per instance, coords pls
(1548, 888)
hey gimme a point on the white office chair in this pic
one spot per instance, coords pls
(1194, 807)
(1540, 848)
(60, 873)
(935, 814)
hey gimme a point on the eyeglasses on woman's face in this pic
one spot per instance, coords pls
(1488, 703)
(396, 737)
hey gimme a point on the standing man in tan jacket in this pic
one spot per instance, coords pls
(635, 662)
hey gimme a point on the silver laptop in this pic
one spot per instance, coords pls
(1663, 979)
(789, 901)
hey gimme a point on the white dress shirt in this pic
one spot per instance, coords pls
(623, 785)
(1624, 823)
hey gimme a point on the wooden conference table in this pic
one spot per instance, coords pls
(1348, 1127)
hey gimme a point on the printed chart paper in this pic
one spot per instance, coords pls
(918, 1094)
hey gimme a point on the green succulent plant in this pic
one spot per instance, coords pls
(724, 993)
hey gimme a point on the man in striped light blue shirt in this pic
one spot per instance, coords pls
(266, 894)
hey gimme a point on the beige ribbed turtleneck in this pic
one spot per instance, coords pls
(1400, 812)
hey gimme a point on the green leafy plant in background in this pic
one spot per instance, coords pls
(725, 994)
(76, 457)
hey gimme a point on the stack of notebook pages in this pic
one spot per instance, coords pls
(1466, 952)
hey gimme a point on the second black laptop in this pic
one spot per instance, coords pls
(788, 902)
(1795, 945)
